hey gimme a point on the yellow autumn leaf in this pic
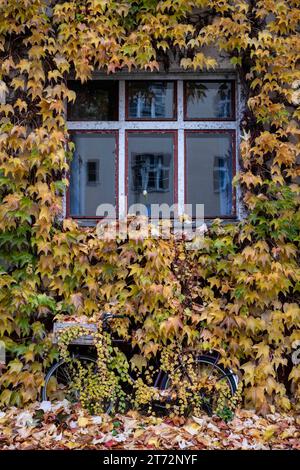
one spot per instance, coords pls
(269, 433)
(82, 421)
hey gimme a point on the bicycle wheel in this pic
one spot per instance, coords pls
(210, 379)
(60, 384)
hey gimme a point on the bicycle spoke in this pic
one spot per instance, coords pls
(202, 377)
(63, 374)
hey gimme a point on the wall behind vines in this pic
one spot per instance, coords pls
(239, 293)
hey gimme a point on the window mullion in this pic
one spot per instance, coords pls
(180, 149)
(122, 143)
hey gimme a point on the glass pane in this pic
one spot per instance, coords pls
(151, 162)
(96, 100)
(209, 100)
(150, 100)
(209, 172)
(93, 171)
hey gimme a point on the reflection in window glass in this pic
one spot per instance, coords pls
(150, 161)
(96, 100)
(150, 100)
(93, 171)
(209, 100)
(209, 172)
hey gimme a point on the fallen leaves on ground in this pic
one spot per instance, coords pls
(65, 426)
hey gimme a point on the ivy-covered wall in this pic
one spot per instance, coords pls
(239, 292)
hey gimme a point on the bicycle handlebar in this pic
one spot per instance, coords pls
(109, 316)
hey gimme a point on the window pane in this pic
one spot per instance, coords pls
(209, 100)
(209, 172)
(150, 100)
(151, 167)
(93, 171)
(96, 100)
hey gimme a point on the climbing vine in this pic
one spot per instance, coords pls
(96, 384)
(238, 293)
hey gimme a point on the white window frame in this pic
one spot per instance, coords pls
(180, 125)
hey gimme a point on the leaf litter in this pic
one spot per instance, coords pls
(65, 426)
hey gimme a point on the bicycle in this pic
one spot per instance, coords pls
(205, 369)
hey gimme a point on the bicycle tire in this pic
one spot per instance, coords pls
(59, 364)
(225, 373)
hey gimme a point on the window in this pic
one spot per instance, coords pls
(209, 171)
(150, 160)
(150, 100)
(153, 142)
(209, 100)
(93, 173)
(96, 100)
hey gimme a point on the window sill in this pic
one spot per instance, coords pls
(92, 222)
